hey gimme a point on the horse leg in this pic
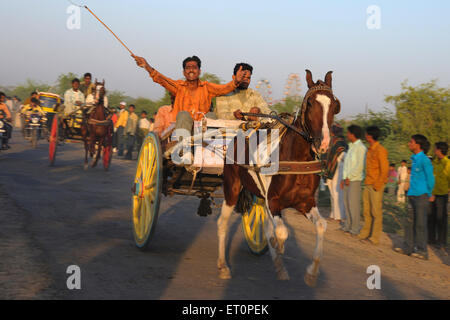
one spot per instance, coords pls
(99, 152)
(281, 232)
(86, 150)
(320, 223)
(231, 189)
(92, 142)
(276, 245)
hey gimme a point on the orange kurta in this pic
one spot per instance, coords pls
(197, 102)
(377, 166)
(4, 107)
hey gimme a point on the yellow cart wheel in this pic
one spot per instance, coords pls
(147, 190)
(253, 227)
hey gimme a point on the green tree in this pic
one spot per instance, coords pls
(164, 101)
(63, 83)
(211, 77)
(144, 104)
(116, 97)
(23, 90)
(385, 120)
(424, 109)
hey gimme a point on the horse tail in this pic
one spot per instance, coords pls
(244, 202)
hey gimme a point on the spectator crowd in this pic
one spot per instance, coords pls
(363, 175)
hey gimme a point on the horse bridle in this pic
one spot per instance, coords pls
(304, 132)
(309, 93)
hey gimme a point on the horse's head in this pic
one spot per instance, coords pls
(318, 110)
(99, 91)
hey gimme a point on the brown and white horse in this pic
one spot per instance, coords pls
(286, 191)
(97, 129)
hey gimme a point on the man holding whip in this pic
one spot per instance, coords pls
(192, 96)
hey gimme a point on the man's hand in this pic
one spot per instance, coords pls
(141, 62)
(239, 77)
(433, 198)
(342, 184)
(238, 115)
(254, 110)
(347, 182)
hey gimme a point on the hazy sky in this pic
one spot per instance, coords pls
(276, 37)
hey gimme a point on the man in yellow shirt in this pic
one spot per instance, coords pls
(242, 99)
(34, 94)
(119, 128)
(437, 224)
(87, 86)
(33, 107)
(377, 168)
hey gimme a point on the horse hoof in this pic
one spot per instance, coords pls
(310, 280)
(278, 245)
(280, 248)
(283, 276)
(224, 273)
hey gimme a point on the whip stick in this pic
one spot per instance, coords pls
(109, 30)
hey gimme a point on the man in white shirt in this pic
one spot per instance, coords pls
(73, 98)
(352, 177)
(144, 127)
(402, 179)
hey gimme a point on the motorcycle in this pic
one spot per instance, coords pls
(34, 127)
(3, 133)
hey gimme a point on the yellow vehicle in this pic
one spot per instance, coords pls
(50, 103)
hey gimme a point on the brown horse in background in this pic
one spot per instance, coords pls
(97, 128)
(280, 192)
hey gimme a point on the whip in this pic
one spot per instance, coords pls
(90, 11)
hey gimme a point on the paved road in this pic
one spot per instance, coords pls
(51, 218)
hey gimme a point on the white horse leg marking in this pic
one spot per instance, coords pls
(313, 269)
(275, 248)
(281, 233)
(325, 102)
(276, 256)
(222, 230)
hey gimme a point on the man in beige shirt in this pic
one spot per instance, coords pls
(242, 99)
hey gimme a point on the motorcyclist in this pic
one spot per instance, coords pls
(6, 116)
(33, 107)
